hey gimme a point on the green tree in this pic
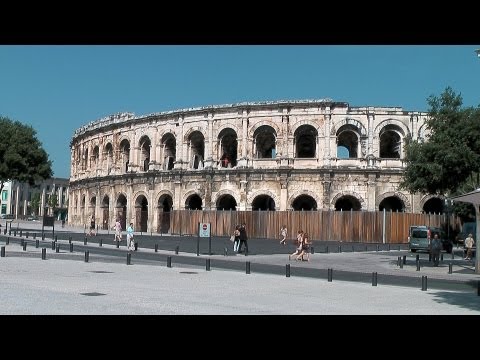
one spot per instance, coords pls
(35, 203)
(448, 161)
(22, 156)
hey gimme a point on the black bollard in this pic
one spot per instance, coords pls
(7, 241)
(374, 279)
(34, 236)
(20, 233)
(25, 246)
(169, 261)
(100, 242)
(26, 234)
(14, 232)
(118, 244)
(2, 251)
(418, 265)
(44, 254)
(37, 243)
(399, 260)
(156, 247)
(330, 275)
(424, 283)
(69, 239)
(71, 247)
(326, 249)
(56, 238)
(247, 267)
(57, 248)
(404, 259)
(53, 245)
(441, 257)
(85, 241)
(21, 242)
(176, 249)
(86, 255)
(450, 266)
(207, 264)
(417, 257)
(135, 244)
(287, 270)
(339, 248)
(401, 263)
(312, 250)
(43, 236)
(129, 258)
(9, 232)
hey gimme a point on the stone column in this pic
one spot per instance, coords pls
(371, 192)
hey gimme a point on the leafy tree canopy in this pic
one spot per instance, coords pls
(448, 161)
(22, 156)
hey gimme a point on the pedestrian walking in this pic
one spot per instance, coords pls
(118, 230)
(469, 246)
(243, 238)
(283, 234)
(435, 248)
(130, 239)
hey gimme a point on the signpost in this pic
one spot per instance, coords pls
(49, 221)
(204, 232)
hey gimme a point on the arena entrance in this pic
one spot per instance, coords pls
(141, 214)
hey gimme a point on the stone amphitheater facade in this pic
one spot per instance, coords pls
(279, 155)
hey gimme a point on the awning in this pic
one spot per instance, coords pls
(472, 197)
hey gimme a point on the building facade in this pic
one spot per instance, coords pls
(280, 155)
(18, 199)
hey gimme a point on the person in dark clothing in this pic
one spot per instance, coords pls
(435, 248)
(243, 238)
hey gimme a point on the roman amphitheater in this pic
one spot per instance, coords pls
(276, 156)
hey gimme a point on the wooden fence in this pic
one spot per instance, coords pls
(349, 226)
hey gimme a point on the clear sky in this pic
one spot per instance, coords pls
(57, 89)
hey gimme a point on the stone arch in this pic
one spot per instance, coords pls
(397, 194)
(137, 194)
(397, 123)
(423, 133)
(275, 198)
(298, 193)
(226, 126)
(220, 193)
(348, 193)
(427, 197)
(261, 123)
(296, 125)
(349, 121)
(193, 129)
(161, 193)
(190, 193)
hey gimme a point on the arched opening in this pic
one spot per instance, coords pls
(226, 202)
(96, 156)
(263, 202)
(391, 203)
(347, 139)
(390, 143)
(141, 213)
(106, 212)
(265, 142)
(347, 203)
(165, 204)
(227, 145)
(169, 151)
(121, 208)
(306, 141)
(85, 160)
(197, 149)
(194, 202)
(108, 157)
(434, 205)
(145, 145)
(305, 203)
(125, 154)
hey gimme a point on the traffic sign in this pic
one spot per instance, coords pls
(204, 230)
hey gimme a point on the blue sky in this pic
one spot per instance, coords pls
(57, 89)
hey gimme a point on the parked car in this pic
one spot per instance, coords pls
(7, 216)
(32, 218)
(418, 238)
